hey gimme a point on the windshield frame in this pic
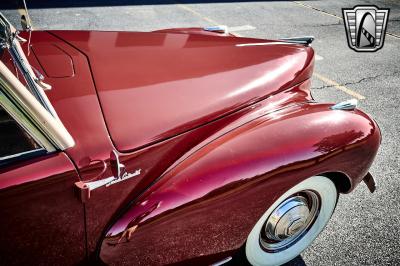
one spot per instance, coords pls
(10, 40)
(29, 105)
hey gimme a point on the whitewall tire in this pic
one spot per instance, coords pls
(292, 223)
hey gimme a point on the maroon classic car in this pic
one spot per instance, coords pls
(179, 146)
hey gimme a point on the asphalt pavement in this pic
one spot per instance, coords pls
(364, 227)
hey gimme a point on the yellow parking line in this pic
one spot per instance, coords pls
(197, 13)
(21, 11)
(215, 23)
(316, 9)
(338, 86)
(393, 35)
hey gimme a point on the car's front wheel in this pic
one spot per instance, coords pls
(291, 224)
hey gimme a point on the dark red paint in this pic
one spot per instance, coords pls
(182, 81)
(218, 131)
(41, 220)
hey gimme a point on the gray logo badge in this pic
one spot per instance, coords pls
(365, 27)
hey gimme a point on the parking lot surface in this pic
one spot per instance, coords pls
(364, 227)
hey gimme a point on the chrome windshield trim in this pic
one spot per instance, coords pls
(23, 68)
(46, 129)
(24, 122)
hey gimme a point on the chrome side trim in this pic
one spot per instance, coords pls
(346, 105)
(84, 189)
(46, 129)
(20, 154)
(109, 181)
(118, 170)
(99, 183)
(261, 44)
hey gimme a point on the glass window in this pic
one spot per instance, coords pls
(14, 141)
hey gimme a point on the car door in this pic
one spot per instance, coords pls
(42, 221)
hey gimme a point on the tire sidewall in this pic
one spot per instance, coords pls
(328, 198)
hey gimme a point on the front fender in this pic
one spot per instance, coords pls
(208, 204)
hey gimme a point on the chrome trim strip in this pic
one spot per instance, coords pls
(262, 44)
(99, 183)
(20, 154)
(219, 263)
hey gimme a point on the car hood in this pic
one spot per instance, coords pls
(156, 85)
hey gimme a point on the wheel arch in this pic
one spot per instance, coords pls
(341, 180)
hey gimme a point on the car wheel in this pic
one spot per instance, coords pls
(292, 223)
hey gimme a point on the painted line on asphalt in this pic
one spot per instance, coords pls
(338, 86)
(393, 35)
(236, 34)
(318, 57)
(241, 28)
(319, 76)
(213, 22)
(21, 11)
(333, 15)
(187, 8)
(316, 9)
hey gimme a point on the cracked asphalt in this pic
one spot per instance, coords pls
(364, 227)
(365, 79)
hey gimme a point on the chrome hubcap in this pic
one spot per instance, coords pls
(290, 221)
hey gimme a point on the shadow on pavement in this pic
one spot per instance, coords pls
(240, 259)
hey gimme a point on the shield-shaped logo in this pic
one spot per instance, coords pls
(365, 27)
